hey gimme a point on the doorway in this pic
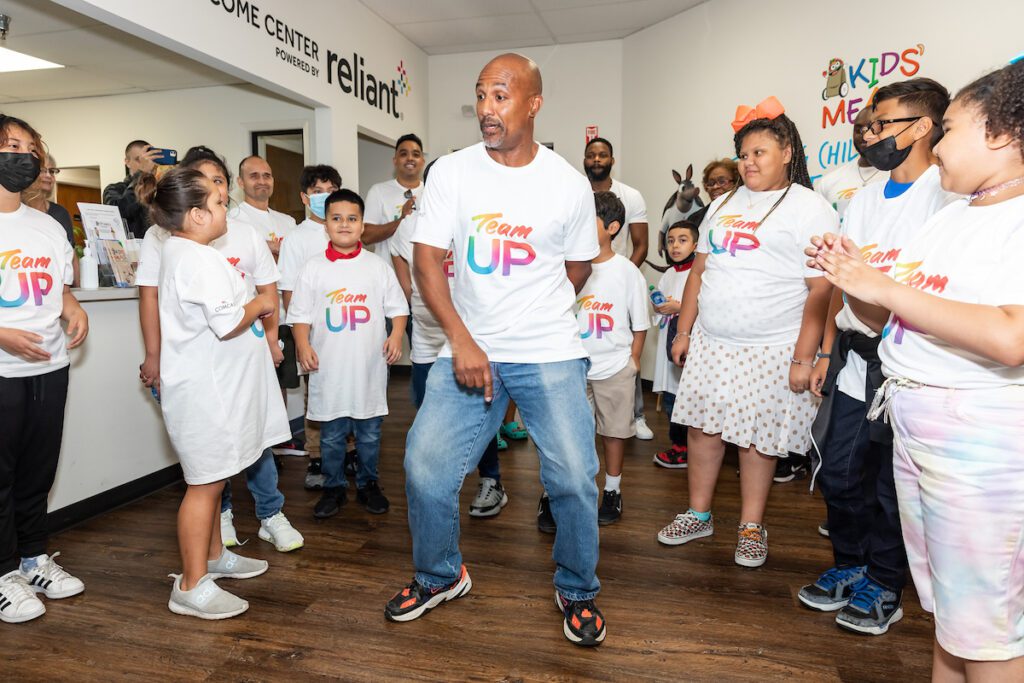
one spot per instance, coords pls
(284, 150)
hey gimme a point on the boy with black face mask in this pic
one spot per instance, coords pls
(855, 470)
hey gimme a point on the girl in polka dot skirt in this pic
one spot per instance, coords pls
(749, 329)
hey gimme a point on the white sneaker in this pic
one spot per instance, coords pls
(228, 535)
(18, 602)
(232, 566)
(49, 578)
(206, 600)
(643, 432)
(490, 498)
(279, 531)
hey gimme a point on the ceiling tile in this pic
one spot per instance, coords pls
(623, 15)
(32, 16)
(60, 84)
(161, 74)
(485, 30)
(416, 11)
(488, 46)
(91, 45)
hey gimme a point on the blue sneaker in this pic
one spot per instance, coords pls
(873, 608)
(832, 590)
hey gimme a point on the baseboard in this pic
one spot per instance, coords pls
(76, 513)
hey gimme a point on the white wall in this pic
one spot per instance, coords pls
(582, 86)
(93, 131)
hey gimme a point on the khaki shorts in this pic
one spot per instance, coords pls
(612, 399)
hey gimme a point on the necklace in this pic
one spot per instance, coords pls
(863, 180)
(994, 190)
(768, 194)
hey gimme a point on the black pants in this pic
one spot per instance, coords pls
(31, 427)
(676, 431)
(856, 481)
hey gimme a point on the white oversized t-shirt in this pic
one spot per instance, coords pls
(963, 253)
(611, 306)
(308, 239)
(840, 185)
(879, 226)
(345, 303)
(511, 230)
(242, 246)
(427, 336)
(220, 397)
(270, 224)
(35, 265)
(384, 204)
(636, 212)
(667, 373)
(753, 289)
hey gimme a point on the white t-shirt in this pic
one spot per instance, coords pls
(427, 336)
(511, 230)
(879, 226)
(636, 212)
(345, 302)
(840, 185)
(611, 306)
(35, 264)
(384, 204)
(220, 397)
(753, 289)
(307, 240)
(270, 224)
(667, 373)
(963, 253)
(242, 246)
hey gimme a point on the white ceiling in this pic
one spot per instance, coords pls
(99, 60)
(446, 26)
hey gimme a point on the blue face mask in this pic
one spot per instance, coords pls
(318, 204)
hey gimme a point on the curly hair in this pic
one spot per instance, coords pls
(784, 131)
(999, 96)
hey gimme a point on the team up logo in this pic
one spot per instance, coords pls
(508, 245)
(33, 280)
(739, 235)
(909, 273)
(595, 317)
(346, 310)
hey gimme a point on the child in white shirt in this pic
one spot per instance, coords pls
(612, 313)
(218, 388)
(337, 312)
(680, 243)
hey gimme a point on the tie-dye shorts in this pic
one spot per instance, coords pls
(959, 469)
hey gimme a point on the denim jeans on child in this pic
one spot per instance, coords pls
(261, 478)
(332, 449)
(489, 465)
(449, 436)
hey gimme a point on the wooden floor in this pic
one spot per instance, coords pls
(681, 613)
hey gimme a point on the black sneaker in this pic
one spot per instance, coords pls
(611, 508)
(351, 463)
(582, 623)
(545, 520)
(314, 476)
(872, 609)
(371, 498)
(796, 466)
(413, 601)
(330, 502)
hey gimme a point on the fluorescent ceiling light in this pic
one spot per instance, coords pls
(17, 61)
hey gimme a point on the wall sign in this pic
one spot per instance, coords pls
(591, 133)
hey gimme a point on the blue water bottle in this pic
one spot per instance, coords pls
(657, 298)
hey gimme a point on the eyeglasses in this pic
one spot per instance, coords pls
(719, 182)
(876, 126)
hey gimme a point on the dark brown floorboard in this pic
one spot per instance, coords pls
(682, 613)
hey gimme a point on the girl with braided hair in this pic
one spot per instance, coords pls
(952, 348)
(751, 321)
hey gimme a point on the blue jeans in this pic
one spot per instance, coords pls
(489, 465)
(332, 449)
(450, 434)
(261, 477)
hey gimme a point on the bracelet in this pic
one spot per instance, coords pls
(680, 334)
(801, 362)
(826, 356)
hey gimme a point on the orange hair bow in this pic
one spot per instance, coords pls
(769, 108)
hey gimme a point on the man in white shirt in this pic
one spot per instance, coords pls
(839, 185)
(257, 182)
(521, 225)
(387, 203)
(598, 160)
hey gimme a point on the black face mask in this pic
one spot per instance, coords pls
(884, 156)
(18, 170)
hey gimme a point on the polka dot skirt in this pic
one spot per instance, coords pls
(742, 393)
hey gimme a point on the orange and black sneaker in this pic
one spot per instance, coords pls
(415, 600)
(583, 623)
(674, 458)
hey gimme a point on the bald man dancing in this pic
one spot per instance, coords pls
(521, 226)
